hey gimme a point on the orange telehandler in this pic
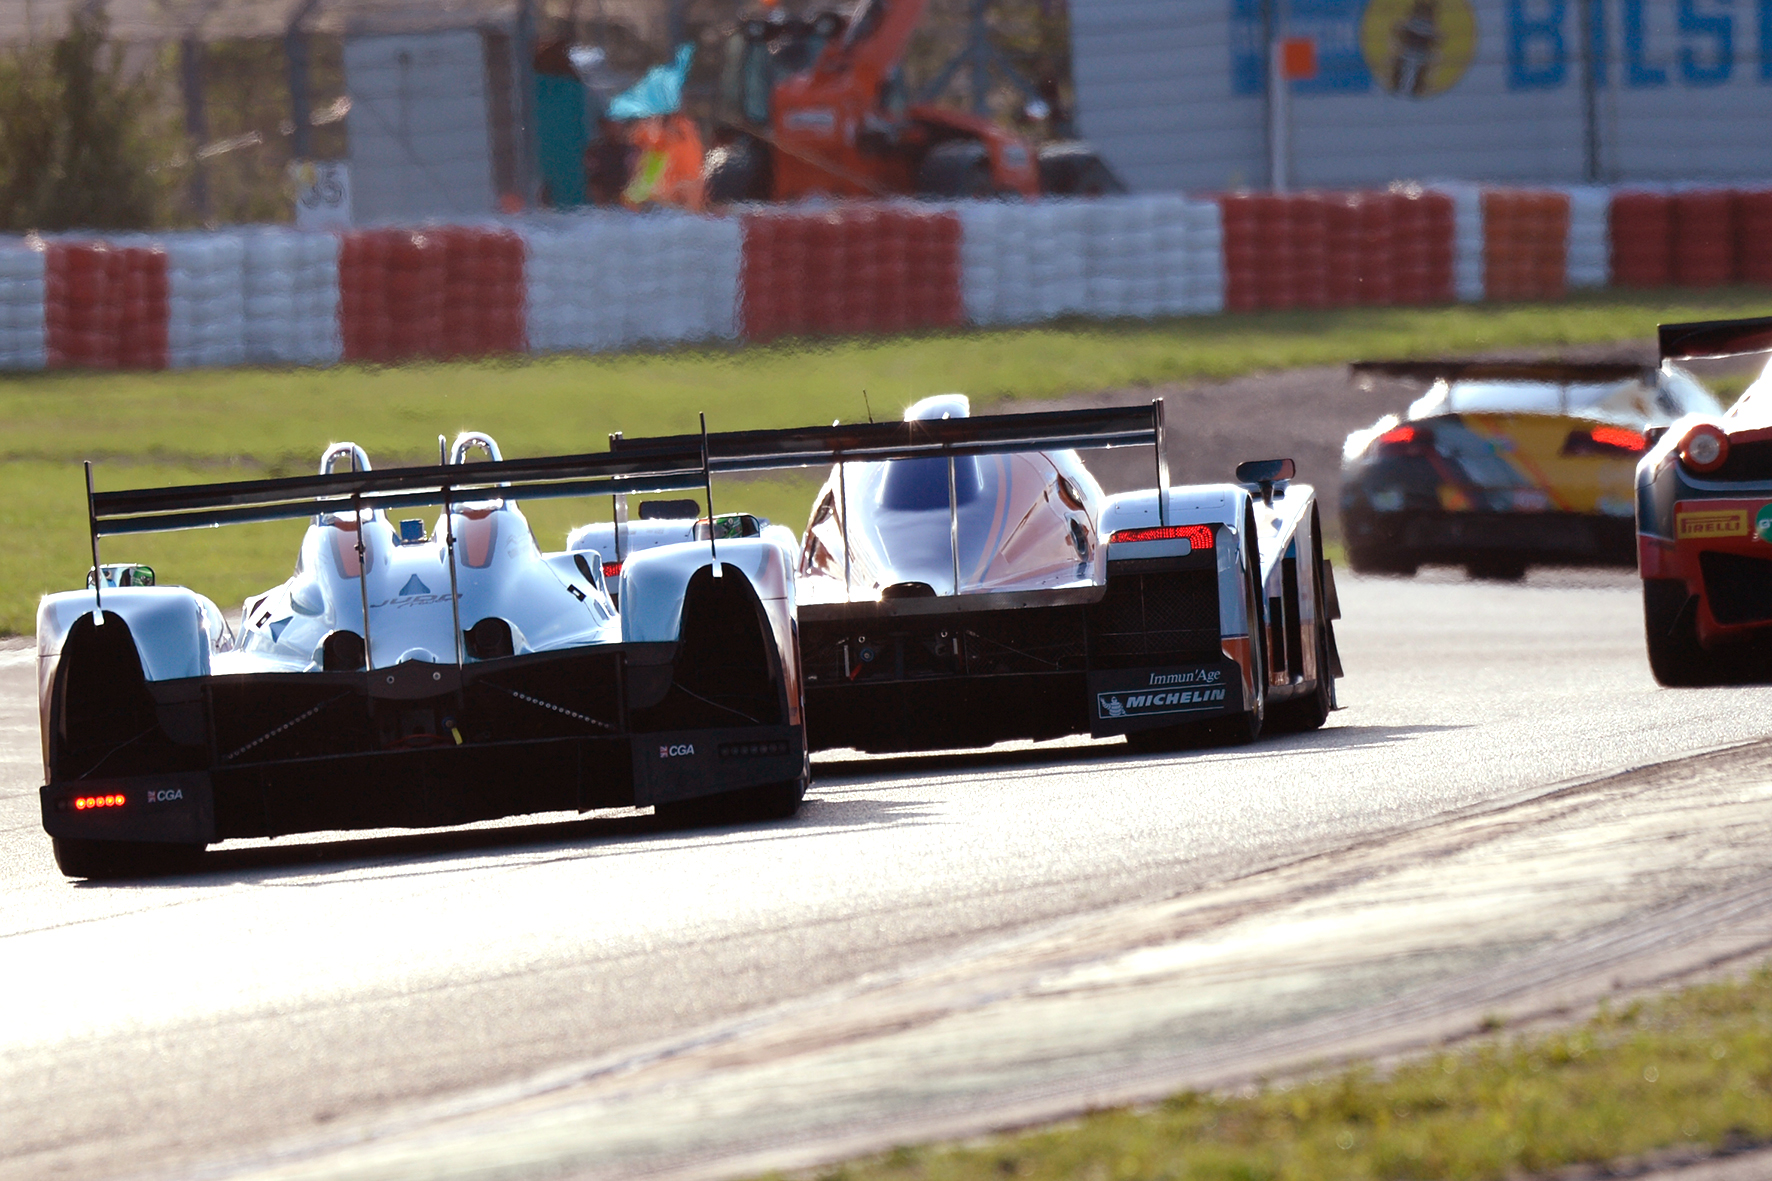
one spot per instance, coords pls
(820, 106)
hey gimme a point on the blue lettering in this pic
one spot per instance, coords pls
(1596, 38)
(1720, 31)
(1766, 40)
(1248, 46)
(1637, 73)
(1537, 59)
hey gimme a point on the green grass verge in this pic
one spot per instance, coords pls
(159, 428)
(1691, 1068)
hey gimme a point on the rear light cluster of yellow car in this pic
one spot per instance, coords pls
(1705, 448)
(1199, 535)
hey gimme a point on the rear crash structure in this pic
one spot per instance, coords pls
(964, 581)
(414, 677)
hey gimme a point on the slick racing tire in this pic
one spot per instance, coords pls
(1306, 713)
(109, 860)
(1670, 627)
(738, 171)
(1374, 560)
(747, 805)
(957, 168)
(1072, 169)
(1496, 568)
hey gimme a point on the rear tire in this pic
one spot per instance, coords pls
(110, 860)
(1304, 714)
(955, 168)
(1496, 568)
(1371, 560)
(1670, 628)
(1072, 169)
(737, 171)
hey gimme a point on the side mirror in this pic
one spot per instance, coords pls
(1265, 471)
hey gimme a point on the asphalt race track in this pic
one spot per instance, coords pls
(1502, 818)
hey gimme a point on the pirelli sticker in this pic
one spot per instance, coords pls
(1696, 524)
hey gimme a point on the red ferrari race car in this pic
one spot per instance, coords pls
(1704, 523)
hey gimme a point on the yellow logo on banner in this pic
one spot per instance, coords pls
(1713, 523)
(1418, 48)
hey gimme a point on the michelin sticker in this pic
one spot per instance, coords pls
(1185, 691)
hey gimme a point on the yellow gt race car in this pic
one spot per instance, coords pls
(1503, 465)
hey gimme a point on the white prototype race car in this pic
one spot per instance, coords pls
(964, 581)
(414, 675)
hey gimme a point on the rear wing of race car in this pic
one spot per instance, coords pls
(738, 451)
(1716, 338)
(662, 466)
(1549, 372)
(938, 438)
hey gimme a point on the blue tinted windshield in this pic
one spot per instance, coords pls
(912, 485)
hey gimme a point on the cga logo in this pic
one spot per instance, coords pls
(672, 752)
(166, 796)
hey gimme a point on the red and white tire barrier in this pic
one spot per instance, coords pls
(604, 281)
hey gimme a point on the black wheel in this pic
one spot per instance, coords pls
(1303, 714)
(956, 168)
(747, 805)
(737, 171)
(1376, 560)
(1670, 627)
(109, 860)
(1496, 568)
(1072, 169)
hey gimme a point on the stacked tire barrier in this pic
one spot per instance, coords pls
(104, 306)
(1691, 237)
(849, 269)
(1137, 256)
(1331, 250)
(21, 309)
(603, 281)
(1525, 244)
(291, 291)
(206, 310)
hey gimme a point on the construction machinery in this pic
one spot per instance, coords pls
(819, 106)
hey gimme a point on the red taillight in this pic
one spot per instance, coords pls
(1199, 535)
(1621, 437)
(1705, 448)
(83, 803)
(1398, 434)
(611, 569)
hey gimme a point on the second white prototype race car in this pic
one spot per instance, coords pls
(964, 581)
(411, 676)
